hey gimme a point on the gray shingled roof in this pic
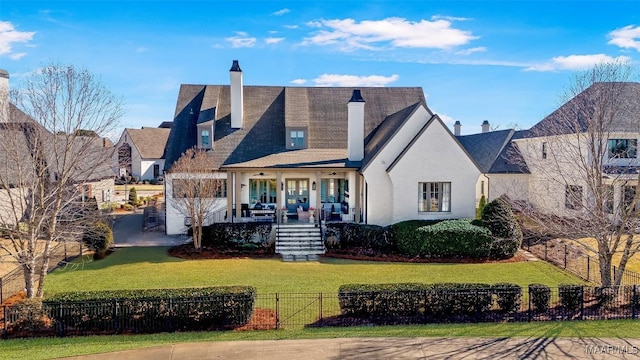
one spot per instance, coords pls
(494, 152)
(267, 109)
(150, 142)
(622, 97)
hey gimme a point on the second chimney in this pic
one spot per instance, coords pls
(355, 127)
(237, 96)
(4, 96)
(485, 126)
(456, 128)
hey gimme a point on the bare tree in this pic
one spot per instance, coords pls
(47, 161)
(584, 167)
(197, 190)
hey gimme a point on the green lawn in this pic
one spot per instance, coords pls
(35, 349)
(138, 268)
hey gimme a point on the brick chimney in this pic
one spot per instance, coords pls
(237, 97)
(355, 137)
(456, 128)
(4, 96)
(485, 126)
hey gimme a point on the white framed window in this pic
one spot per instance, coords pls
(573, 197)
(544, 150)
(622, 148)
(205, 139)
(434, 196)
(296, 138)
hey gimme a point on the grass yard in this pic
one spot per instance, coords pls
(49, 348)
(632, 265)
(139, 268)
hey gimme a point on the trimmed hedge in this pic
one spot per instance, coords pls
(237, 236)
(508, 296)
(404, 235)
(539, 296)
(153, 310)
(438, 301)
(453, 239)
(361, 236)
(570, 296)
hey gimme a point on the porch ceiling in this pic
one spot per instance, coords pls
(306, 158)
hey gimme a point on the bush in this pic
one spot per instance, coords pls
(31, 317)
(403, 234)
(481, 204)
(508, 296)
(539, 296)
(154, 310)
(570, 296)
(361, 236)
(454, 239)
(98, 237)
(507, 235)
(135, 179)
(133, 196)
(236, 236)
(396, 301)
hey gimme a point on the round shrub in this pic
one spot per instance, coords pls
(403, 234)
(133, 196)
(98, 237)
(454, 239)
(507, 235)
(539, 295)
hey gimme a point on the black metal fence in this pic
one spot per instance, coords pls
(572, 258)
(13, 282)
(300, 310)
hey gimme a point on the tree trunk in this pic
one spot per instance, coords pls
(604, 261)
(29, 277)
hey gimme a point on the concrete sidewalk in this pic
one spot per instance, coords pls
(389, 348)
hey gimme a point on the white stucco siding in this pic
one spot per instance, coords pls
(516, 186)
(175, 219)
(103, 191)
(434, 157)
(146, 168)
(11, 212)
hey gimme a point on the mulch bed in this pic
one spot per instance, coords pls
(261, 319)
(187, 252)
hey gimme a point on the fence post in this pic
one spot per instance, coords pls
(588, 267)
(529, 314)
(545, 251)
(277, 311)
(170, 315)
(634, 300)
(320, 306)
(565, 256)
(581, 302)
(6, 313)
(115, 316)
(1, 293)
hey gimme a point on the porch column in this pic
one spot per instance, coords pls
(358, 196)
(237, 195)
(318, 193)
(229, 196)
(279, 202)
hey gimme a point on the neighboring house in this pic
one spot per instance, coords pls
(374, 155)
(140, 152)
(21, 137)
(530, 165)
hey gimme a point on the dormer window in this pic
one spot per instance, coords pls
(205, 139)
(297, 138)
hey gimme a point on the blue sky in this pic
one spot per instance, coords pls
(506, 62)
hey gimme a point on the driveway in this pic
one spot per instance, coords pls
(128, 231)
(389, 348)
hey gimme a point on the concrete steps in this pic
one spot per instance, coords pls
(299, 242)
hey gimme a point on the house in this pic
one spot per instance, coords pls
(542, 166)
(27, 148)
(371, 155)
(140, 151)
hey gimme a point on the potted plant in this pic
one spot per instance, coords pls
(312, 212)
(284, 214)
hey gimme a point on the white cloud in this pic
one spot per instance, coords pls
(576, 62)
(17, 56)
(354, 80)
(349, 35)
(273, 40)
(9, 35)
(299, 81)
(447, 119)
(291, 26)
(450, 18)
(281, 12)
(626, 37)
(471, 50)
(242, 39)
